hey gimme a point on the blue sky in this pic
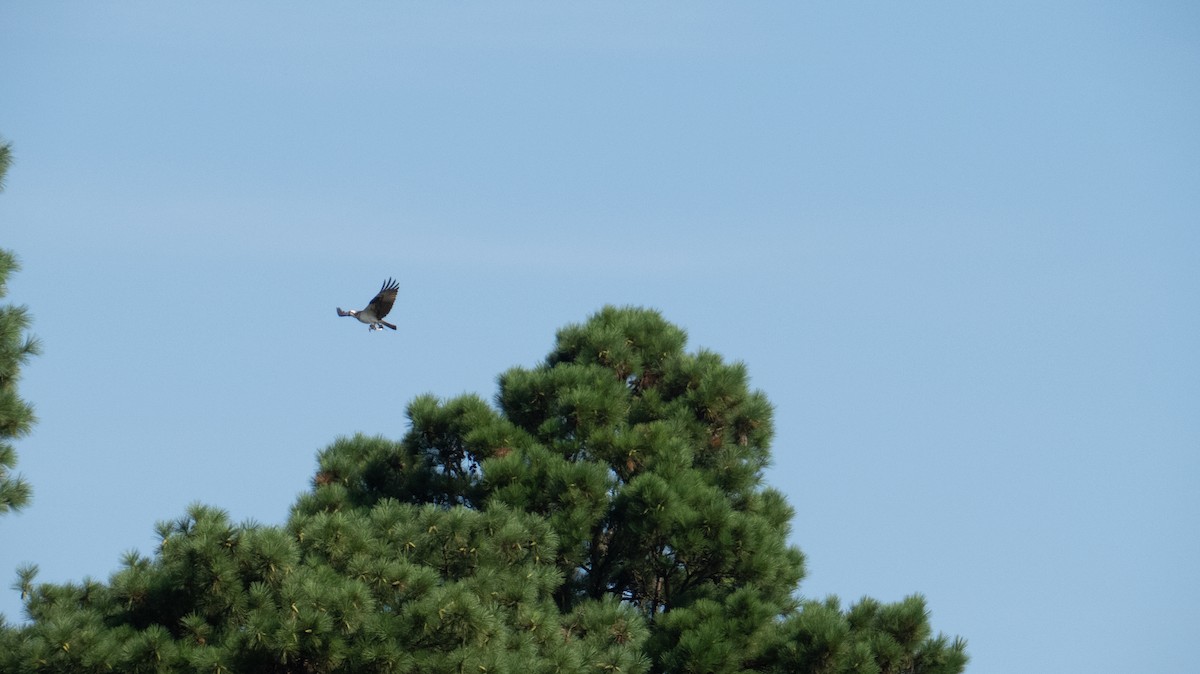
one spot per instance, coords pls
(957, 244)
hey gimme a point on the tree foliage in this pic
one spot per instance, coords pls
(16, 346)
(606, 514)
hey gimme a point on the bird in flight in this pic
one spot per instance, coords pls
(377, 308)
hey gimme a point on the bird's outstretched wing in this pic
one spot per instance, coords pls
(383, 302)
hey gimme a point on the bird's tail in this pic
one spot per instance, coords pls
(342, 313)
(388, 324)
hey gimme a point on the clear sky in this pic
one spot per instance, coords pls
(957, 244)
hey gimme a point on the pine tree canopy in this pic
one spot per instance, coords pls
(606, 514)
(16, 346)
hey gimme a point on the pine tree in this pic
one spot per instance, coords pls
(16, 346)
(647, 461)
(391, 588)
(606, 514)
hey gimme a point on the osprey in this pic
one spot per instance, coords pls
(376, 308)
